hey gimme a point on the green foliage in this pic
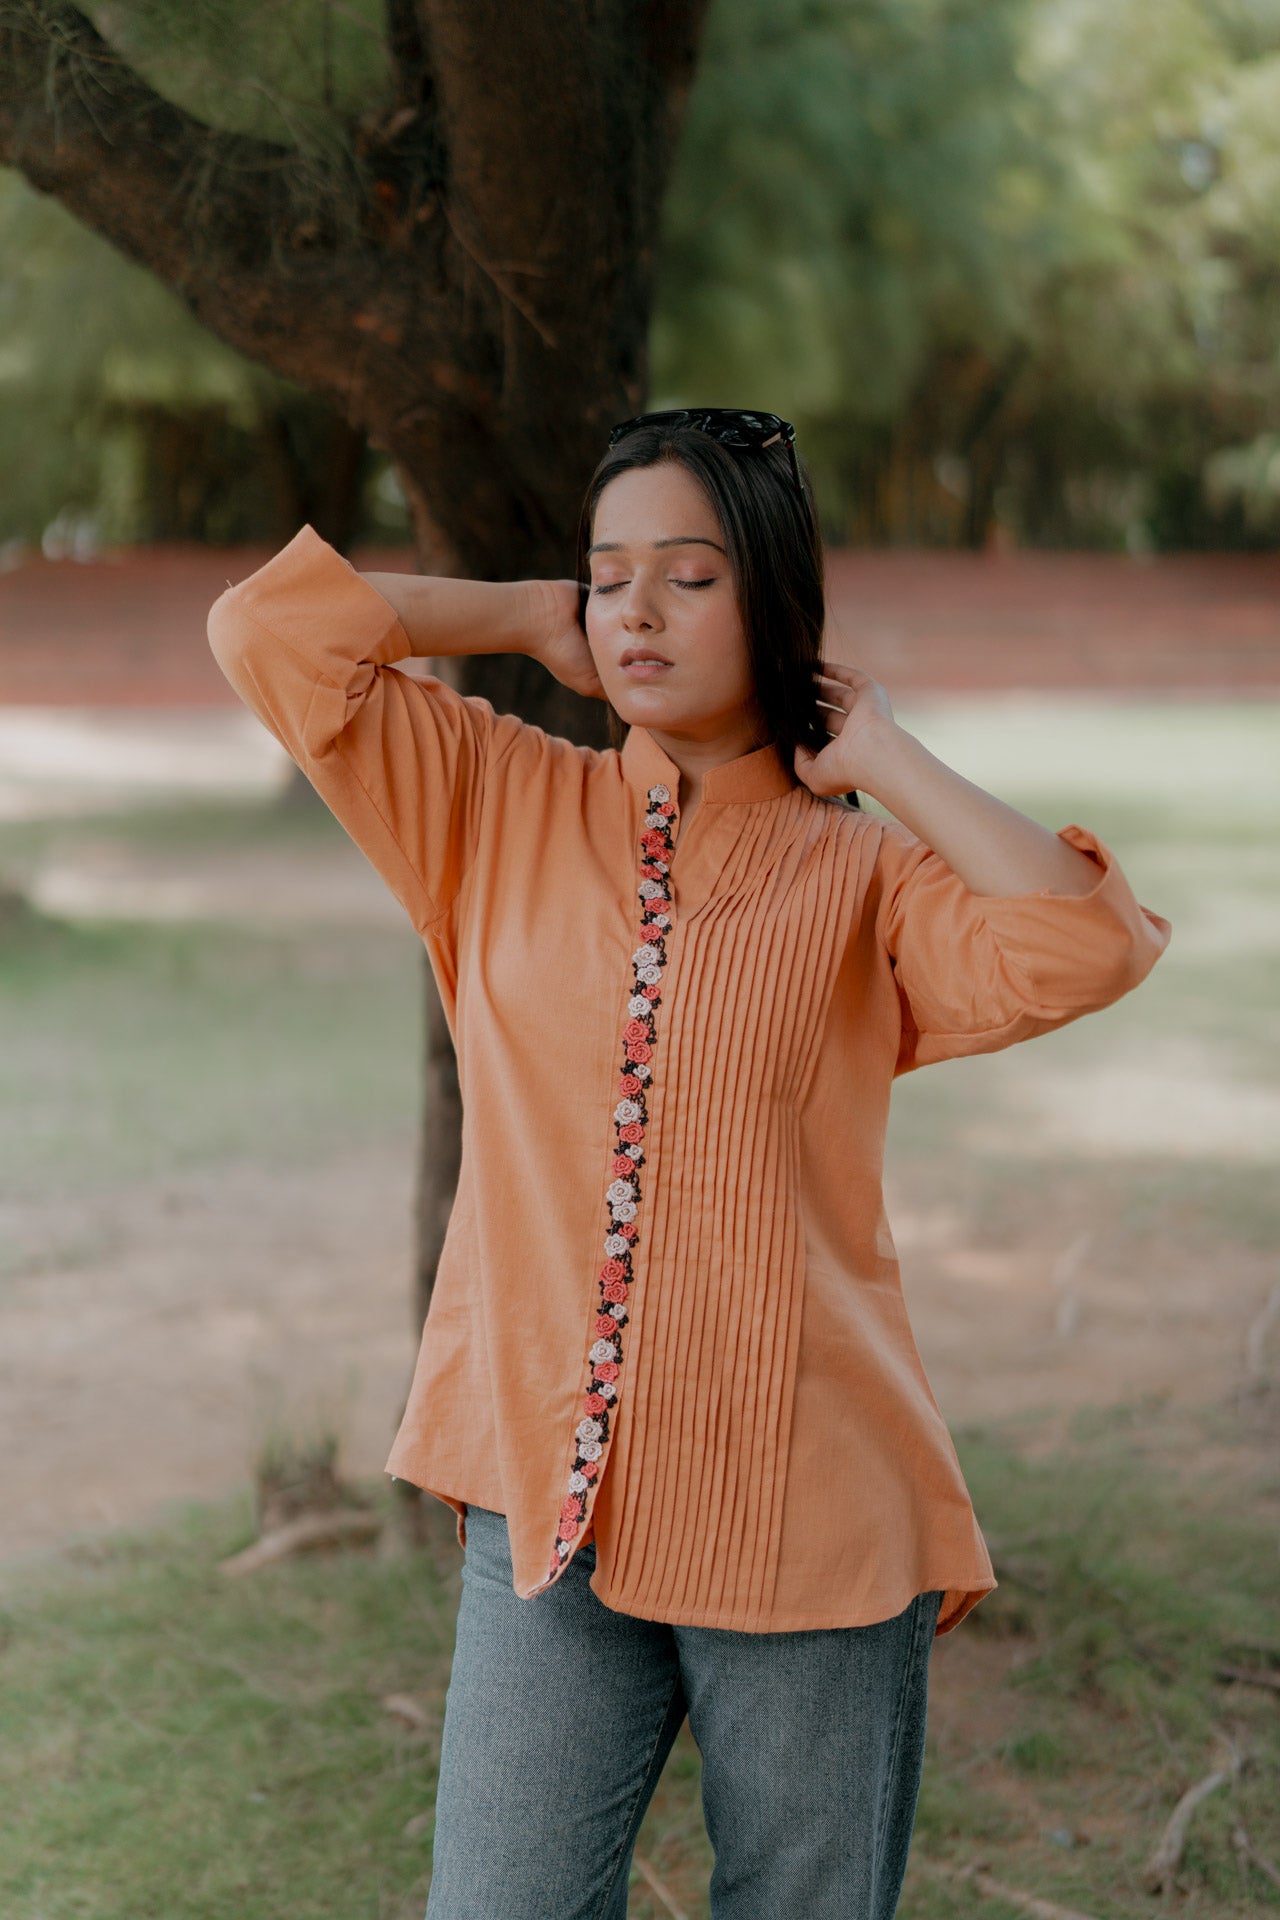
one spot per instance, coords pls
(1012, 265)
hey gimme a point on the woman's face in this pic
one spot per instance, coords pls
(661, 584)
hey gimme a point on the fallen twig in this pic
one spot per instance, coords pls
(652, 1881)
(1251, 1676)
(1158, 1874)
(308, 1533)
(1028, 1903)
(1245, 1847)
(1256, 1338)
(407, 1708)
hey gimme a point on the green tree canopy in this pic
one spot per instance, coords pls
(1005, 262)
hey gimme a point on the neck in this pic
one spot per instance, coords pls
(695, 757)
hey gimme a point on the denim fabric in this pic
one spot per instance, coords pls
(560, 1715)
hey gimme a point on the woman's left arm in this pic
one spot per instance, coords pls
(989, 845)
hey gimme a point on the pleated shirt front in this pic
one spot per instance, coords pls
(668, 1312)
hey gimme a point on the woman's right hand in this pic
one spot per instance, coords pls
(559, 640)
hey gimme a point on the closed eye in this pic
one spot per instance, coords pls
(613, 585)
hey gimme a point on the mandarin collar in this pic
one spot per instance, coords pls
(762, 774)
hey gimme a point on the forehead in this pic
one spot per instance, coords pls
(651, 506)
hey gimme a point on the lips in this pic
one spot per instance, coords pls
(641, 656)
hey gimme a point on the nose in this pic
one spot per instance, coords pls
(639, 612)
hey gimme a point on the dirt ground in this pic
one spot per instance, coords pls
(149, 1368)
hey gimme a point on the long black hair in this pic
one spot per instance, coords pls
(775, 555)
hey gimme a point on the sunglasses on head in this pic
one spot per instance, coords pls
(742, 432)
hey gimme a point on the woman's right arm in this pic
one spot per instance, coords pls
(538, 617)
(310, 646)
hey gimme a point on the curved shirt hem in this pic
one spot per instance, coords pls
(957, 1602)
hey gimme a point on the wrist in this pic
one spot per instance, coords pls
(534, 616)
(883, 750)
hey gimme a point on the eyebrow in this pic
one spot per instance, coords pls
(675, 540)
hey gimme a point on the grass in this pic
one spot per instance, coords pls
(177, 1746)
(133, 1050)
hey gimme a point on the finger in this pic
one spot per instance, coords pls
(853, 676)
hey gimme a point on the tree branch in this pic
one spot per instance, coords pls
(407, 52)
(80, 123)
(244, 230)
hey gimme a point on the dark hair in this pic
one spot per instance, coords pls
(775, 554)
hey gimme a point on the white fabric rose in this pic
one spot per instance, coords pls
(588, 1429)
(578, 1483)
(648, 976)
(618, 1311)
(659, 794)
(607, 1390)
(644, 956)
(590, 1449)
(602, 1350)
(624, 1209)
(641, 1072)
(626, 1110)
(633, 1150)
(637, 1006)
(620, 1190)
(648, 888)
(616, 1245)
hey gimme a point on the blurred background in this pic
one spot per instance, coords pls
(1013, 268)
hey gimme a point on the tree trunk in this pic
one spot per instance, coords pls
(465, 274)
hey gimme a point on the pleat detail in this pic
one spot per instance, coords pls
(700, 1463)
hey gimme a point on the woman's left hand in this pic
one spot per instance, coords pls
(861, 716)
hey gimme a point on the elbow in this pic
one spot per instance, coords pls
(1131, 956)
(231, 639)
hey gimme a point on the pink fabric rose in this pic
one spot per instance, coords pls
(631, 1134)
(615, 1291)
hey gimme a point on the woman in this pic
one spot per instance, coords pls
(667, 1382)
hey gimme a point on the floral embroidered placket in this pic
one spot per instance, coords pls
(616, 1274)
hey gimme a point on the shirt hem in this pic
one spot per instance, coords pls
(957, 1602)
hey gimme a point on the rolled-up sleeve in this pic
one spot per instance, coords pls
(309, 645)
(977, 972)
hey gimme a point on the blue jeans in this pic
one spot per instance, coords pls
(560, 1715)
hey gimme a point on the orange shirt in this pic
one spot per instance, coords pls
(668, 1312)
